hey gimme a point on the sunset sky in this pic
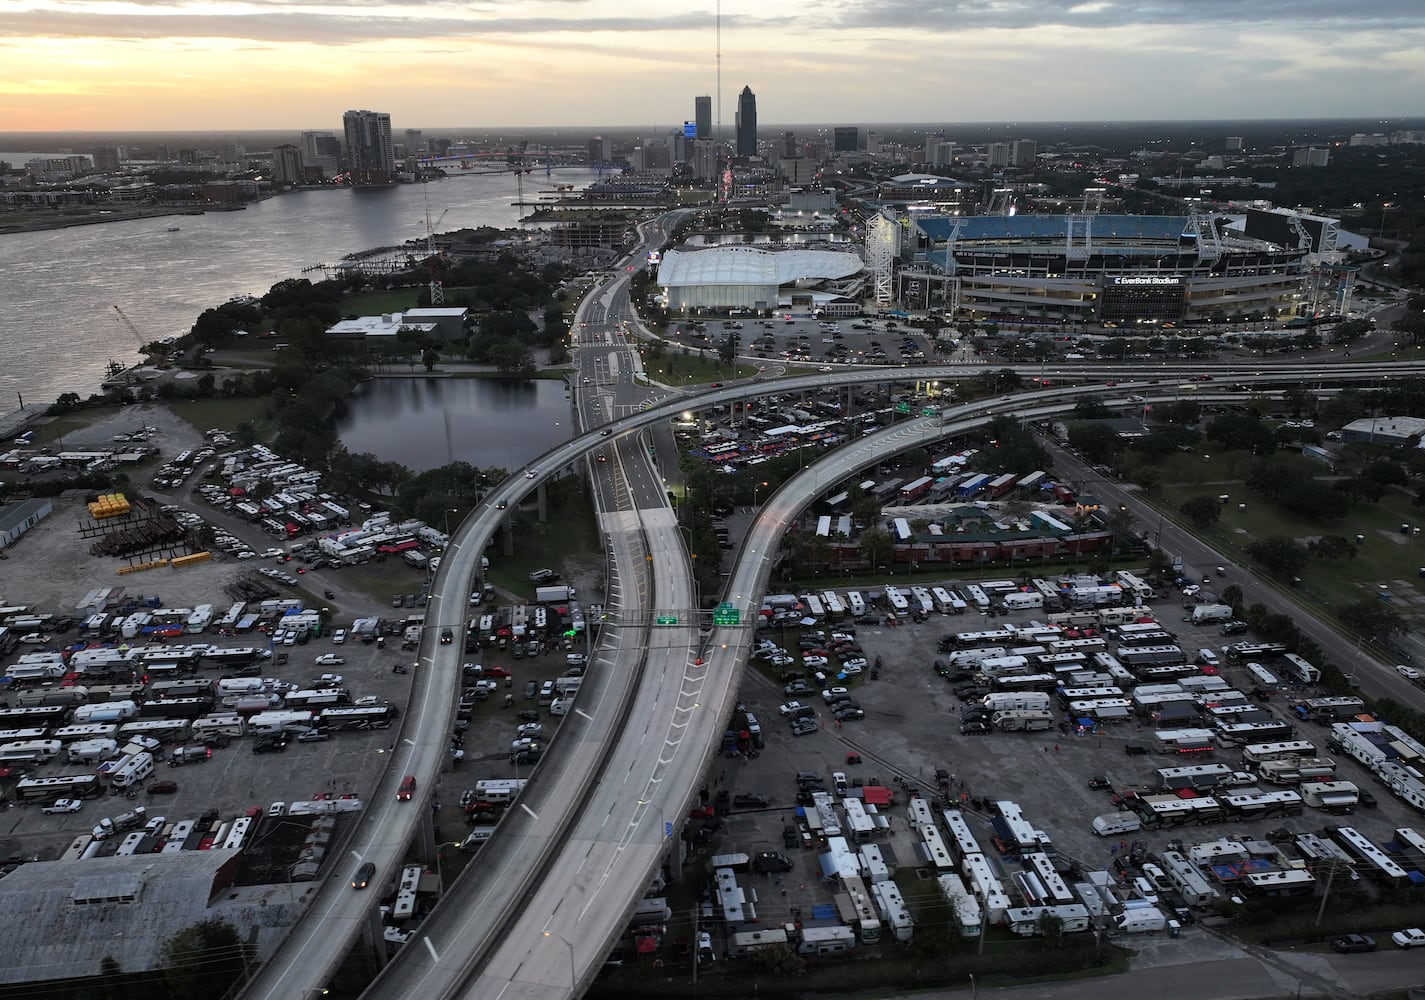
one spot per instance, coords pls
(262, 64)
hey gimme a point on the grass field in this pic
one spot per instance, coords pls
(676, 369)
(225, 414)
(1387, 557)
(376, 303)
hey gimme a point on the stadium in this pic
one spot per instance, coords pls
(1104, 269)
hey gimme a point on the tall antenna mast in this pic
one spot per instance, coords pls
(718, 35)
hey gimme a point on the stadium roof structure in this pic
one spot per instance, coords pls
(743, 265)
(926, 182)
(1009, 228)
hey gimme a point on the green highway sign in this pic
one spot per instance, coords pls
(666, 620)
(902, 407)
(929, 411)
(726, 614)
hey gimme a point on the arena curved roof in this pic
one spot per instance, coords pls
(743, 265)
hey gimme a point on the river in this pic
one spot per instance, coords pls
(58, 328)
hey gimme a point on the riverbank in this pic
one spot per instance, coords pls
(40, 221)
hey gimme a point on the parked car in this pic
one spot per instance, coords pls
(163, 788)
(750, 800)
(1411, 937)
(330, 660)
(974, 728)
(339, 636)
(270, 744)
(1348, 944)
(804, 727)
(61, 806)
(277, 809)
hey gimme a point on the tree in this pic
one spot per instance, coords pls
(1232, 594)
(1203, 512)
(1097, 442)
(429, 358)
(1371, 616)
(1332, 547)
(1121, 523)
(511, 358)
(207, 959)
(1278, 554)
(876, 547)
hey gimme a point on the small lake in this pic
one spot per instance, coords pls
(424, 423)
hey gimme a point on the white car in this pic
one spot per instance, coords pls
(65, 806)
(834, 694)
(277, 809)
(1411, 937)
(1409, 673)
(1191, 590)
(329, 680)
(273, 554)
(330, 660)
(790, 707)
(530, 729)
(339, 637)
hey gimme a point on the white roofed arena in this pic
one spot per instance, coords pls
(754, 278)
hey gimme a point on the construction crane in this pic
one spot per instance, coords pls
(129, 325)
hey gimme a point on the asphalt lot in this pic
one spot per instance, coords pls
(805, 341)
(912, 728)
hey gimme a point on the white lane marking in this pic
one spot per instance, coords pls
(533, 815)
(435, 955)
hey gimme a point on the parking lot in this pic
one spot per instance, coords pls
(911, 731)
(803, 341)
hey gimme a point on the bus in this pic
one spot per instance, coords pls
(1375, 861)
(1244, 733)
(1333, 709)
(962, 841)
(1194, 776)
(237, 835)
(356, 719)
(90, 731)
(1056, 890)
(1138, 657)
(29, 751)
(1300, 671)
(933, 847)
(996, 637)
(1178, 741)
(77, 847)
(165, 730)
(1262, 805)
(1258, 753)
(64, 786)
(1262, 677)
(1068, 694)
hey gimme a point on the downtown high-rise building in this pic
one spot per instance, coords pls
(369, 154)
(746, 123)
(702, 116)
(845, 139)
(287, 165)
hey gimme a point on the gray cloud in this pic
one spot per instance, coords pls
(323, 29)
(960, 15)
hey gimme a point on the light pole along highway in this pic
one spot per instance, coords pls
(316, 947)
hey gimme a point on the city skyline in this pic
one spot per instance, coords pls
(255, 64)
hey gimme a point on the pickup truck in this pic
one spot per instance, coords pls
(64, 806)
